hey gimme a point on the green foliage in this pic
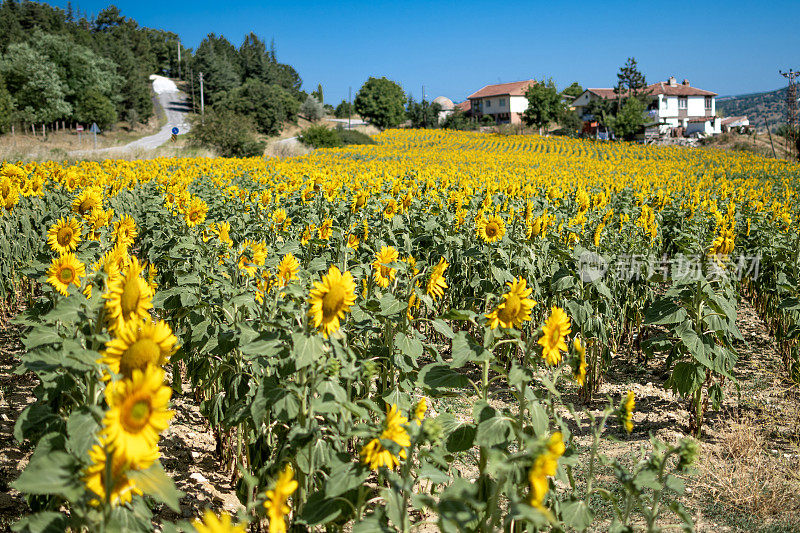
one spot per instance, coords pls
(630, 81)
(544, 104)
(6, 107)
(343, 110)
(39, 95)
(573, 90)
(570, 122)
(457, 120)
(381, 102)
(320, 137)
(269, 106)
(94, 106)
(354, 137)
(312, 109)
(229, 134)
(630, 119)
(422, 114)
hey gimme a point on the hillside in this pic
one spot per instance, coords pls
(756, 106)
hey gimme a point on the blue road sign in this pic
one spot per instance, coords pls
(174, 131)
(94, 128)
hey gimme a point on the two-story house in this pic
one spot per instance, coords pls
(671, 105)
(505, 102)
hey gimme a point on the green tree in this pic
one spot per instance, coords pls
(422, 114)
(6, 107)
(380, 101)
(93, 106)
(630, 83)
(36, 89)
(312, 109)
(569, 121)
(544, 105)
(269, 106)
(343, 110)
(574, 90)
(318, 94)
(457, 120)
(630, 119)
(227, 133)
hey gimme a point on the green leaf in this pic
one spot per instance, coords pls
(664, 311)
(44, 522)
(686, 378)
(82, 427)
(156, 483)
(319, 509)
(576, 513)
(435, 376)
(694, 344)
(51, 472)
(442, 327)
(344, 477)
(467, 350)
(408, 345)
(460, 435)
(433, 474)
(306, 349)
(35, 420)
(493, 427)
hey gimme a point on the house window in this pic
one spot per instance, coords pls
(683, 102)
(488, 103)
(708, 102)
(501, 102)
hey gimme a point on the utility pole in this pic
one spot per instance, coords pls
(202, 102)
(349, 107)
(179, 59)
(791, 107)
(424, 110)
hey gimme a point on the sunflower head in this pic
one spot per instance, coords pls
(384, 274)
(137, 344)
(491, 228)
(223, 523)
(287, 269)
(64, 236)
(87, 201)
(556, 328)
(65, 271)
(129, 296)
(331, 299)
(515, 307)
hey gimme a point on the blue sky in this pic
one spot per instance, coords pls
(455, 48)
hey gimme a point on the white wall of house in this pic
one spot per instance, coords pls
(695, 106)
(518, 104)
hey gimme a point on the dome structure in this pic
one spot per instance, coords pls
(444, 102)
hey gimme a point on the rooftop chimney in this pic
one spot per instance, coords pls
(672, 82)
(686, 82)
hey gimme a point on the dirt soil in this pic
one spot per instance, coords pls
(746, 480)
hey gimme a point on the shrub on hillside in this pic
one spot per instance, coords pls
(227, 133)
(320, 137)
(354, 137)
(312, 109)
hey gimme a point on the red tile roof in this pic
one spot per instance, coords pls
(515, 88)
(464, 106)
(677, 90)
(603, 93)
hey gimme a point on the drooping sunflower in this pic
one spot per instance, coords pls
(223, 233)
(436, 283)
(222, 524)
(98, 219)
(253, 255)
(390, 209)
(420, 409)
(491, 228)
(65, 270)
(352, 241)
(383, 273)
(277, 499)
(515, 307)
(88, 200)
(64, 236)
(114, 261)
(122, 487)
(287, 269)
(125, 231)
(374, 454)
(138, 344)
(545, 465)
(626, 410)
(129, 297)
(325, 230)
(555, 329)
(331, 299)
(137, 413)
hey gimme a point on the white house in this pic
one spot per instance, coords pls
(505, 102)
(447, 107)
(672, 105)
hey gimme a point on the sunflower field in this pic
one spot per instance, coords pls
(391, 337)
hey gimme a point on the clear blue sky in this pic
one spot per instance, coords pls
(455, 48)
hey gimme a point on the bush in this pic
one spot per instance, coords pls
(354, 137)
(320, 137)
(343, 110)
(93, 106)
(312, 109)
(227, 133)
(268, 105)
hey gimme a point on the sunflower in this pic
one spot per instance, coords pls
(10, 198)
(87, 201)
(325, 230)
(64, 271)
(374, 454)
(223, 524)
(277, 499)
(420, 409)
(436, 283)
(352, 241)
(330, 299)
(287, 269)
(122, 487)
(253, 255)
(129, 297)
(515, 308)
(384, 274)
(580, 370)
(196, 212)
(359, 200)
(137, 413)
(491, 228)
(390, 209)
(98, 219)
(554, 331)
(64, 236)
(125, 231)
(263, 286)
(114, 261)
(137, 344)
(545, 465)
(223, 233)
(627, 411)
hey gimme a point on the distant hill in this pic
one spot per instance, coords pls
(756, 106)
